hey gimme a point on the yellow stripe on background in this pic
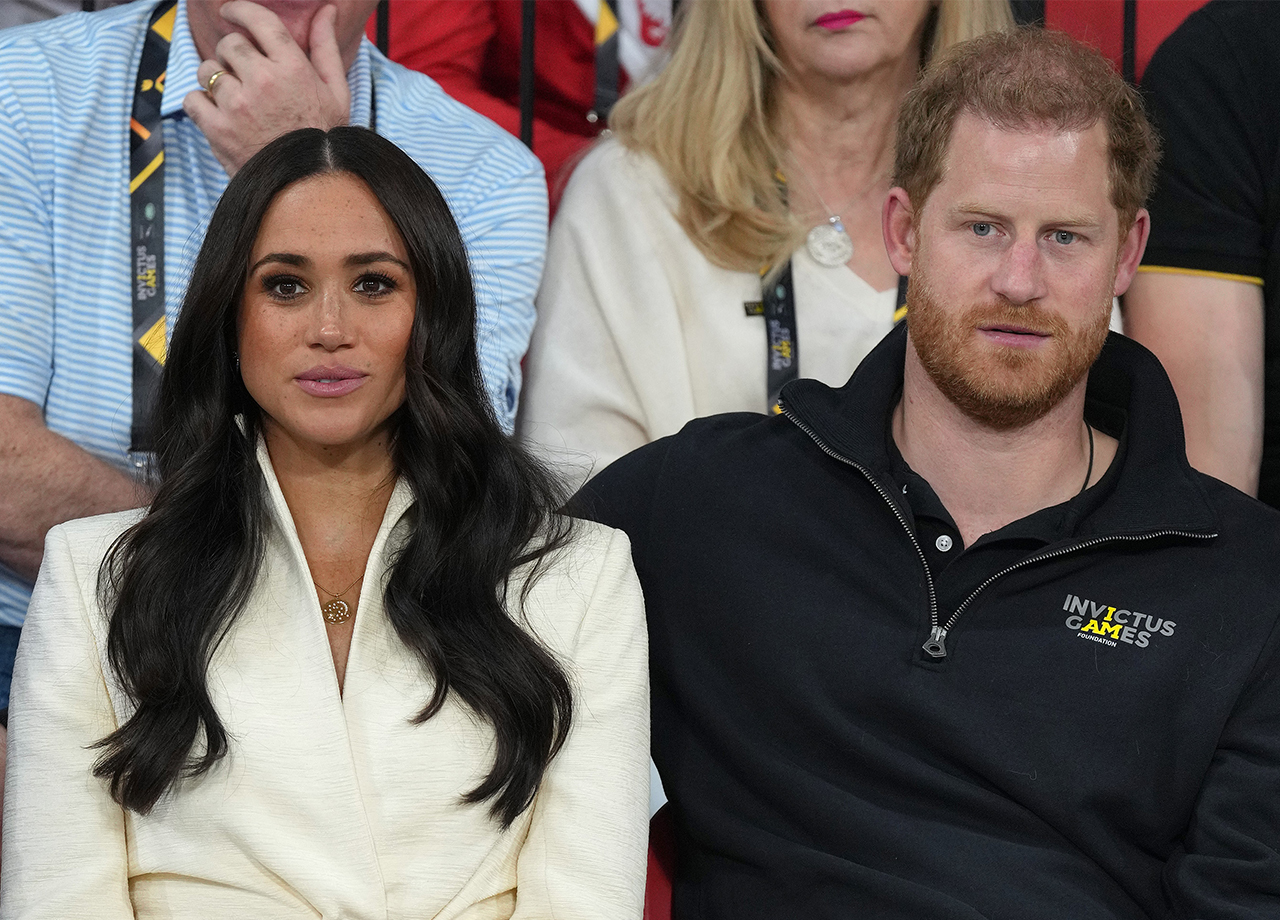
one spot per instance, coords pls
(899, 313)
(164, 25)
(1201, 273)
(606, 25)
(146, 172)
(152, 341)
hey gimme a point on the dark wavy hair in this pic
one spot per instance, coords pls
(175, 581)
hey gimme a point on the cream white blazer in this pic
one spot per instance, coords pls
(327, 806)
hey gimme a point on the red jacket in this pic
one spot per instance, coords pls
(472, 49)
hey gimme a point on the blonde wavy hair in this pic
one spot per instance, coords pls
(707, 119)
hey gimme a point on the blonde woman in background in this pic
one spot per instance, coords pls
(756, 163)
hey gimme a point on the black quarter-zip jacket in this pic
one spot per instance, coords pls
(1096, 734)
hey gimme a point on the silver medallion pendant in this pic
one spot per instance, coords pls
(829, 244)
(336, 611)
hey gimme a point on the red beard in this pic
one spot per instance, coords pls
(1002, 387)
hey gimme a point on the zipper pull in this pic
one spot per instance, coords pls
(936, 647)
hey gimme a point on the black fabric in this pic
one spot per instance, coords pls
(1213, 89)
(821, 765)
(959, 570)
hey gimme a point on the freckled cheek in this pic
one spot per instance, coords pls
(390, 345)
(266, 340)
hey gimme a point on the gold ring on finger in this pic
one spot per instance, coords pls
(213, 78)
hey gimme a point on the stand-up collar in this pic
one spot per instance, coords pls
(1156, 489)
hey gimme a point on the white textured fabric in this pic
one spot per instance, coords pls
(327, 805)
(638, 332)
(66, 93)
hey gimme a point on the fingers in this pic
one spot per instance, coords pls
(326, 56)
(212, 123)
(269, 34)
(266, 85)
(214, 78)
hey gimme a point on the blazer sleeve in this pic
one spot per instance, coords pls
(64, 850)
(585, 854)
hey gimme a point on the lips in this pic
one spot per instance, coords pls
(1014, 336)
(327, 382)
(839, 20)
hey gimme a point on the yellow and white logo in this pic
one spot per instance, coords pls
(1113, 625)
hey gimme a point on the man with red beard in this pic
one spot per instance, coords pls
(967, 637)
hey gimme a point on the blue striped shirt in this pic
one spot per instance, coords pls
(66, 94)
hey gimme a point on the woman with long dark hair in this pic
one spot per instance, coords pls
(349, 663)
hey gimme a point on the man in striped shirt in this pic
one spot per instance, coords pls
(67, 91)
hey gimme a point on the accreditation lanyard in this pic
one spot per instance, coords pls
(607, 71)
(146, 206)
(777, 305)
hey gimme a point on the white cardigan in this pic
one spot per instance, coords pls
(327, 806)
(638, 332)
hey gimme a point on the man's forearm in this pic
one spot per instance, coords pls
(46, 479)
(1208, 333)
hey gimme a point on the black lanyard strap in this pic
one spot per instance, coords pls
(782, 342)
(782, 335)
(146, 206)
(607, 68)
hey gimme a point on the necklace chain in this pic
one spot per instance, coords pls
(1088, 473)
(832, 215)
(337, 594)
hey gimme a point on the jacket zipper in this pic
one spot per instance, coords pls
(936, 635)
(936, 645)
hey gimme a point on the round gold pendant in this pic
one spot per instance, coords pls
(336, 611)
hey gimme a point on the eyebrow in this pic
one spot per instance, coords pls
(288, 258)
(356, 258)
(369, 258)
(1080, 219)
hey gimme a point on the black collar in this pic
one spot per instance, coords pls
(1128, 393)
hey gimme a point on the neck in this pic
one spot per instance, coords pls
(985, 477)
(337, 497)
(841, 133)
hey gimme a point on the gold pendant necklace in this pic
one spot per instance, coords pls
(336, 610)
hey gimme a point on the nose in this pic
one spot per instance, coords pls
(329, 328)
(1020, 275)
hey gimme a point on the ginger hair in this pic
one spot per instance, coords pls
(1025, 79)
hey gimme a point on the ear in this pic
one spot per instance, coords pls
(1129, 255)
(898, 224)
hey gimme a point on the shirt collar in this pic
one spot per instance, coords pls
(184, 60)
(1128, 393)
(180, 75)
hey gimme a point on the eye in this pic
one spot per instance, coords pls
(374, 284)
(283, 287)
(982, 228)
(1063, 237)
